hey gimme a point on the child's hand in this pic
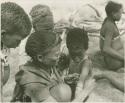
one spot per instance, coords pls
(72, 79)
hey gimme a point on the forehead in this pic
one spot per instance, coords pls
(76, 45)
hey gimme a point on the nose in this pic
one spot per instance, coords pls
(56, 56)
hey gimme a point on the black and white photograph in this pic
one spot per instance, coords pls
(62, 51)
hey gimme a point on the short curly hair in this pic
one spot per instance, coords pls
(38, 42)
(14, 19)
(112, 7)
(77, 36)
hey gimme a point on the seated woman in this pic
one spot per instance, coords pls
(39, 80)
(110, 42)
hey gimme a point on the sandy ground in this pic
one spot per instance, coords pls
(61, 10)
(100, 94)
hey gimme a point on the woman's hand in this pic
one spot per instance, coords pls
(98, 74)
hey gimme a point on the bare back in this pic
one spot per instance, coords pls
(109, 27)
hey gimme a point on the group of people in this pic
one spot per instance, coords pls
(52, 75)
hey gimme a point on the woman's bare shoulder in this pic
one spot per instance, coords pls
(108, 26)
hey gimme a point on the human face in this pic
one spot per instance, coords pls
(51, 57)
(77, 53)
(11, 41)
(117, 15)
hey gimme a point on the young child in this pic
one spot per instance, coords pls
(110, 42)
(39, 79)
(80, 64)
(15, 26)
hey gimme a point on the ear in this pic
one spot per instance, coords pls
(40, 58)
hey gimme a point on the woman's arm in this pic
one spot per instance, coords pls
(117, 79)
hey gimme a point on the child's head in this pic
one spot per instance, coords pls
(114, 10)
(43, 47)
(42, 17)
(15, 24)
(77, 43)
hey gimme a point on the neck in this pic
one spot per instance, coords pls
(111, 19)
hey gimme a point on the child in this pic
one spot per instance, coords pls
(80, 64)
(110, 42)
(15, 26)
